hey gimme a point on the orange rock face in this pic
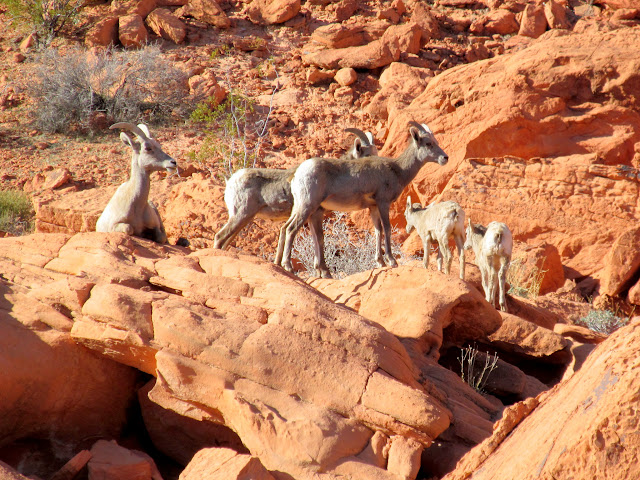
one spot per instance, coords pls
(578, 428)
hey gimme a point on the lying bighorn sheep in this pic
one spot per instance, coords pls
(438, 222)
(129, 210)
(347, 185)
(492, 245)
(266, 192)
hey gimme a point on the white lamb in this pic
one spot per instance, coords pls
(437, 223)
(492, 245)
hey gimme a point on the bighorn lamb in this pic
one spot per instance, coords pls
(437, 223)
(347, 185)
(492, 245)
(129, 210)
(266, 192)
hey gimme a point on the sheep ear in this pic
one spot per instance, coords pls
(357, 145)
(408, 201)
(415, 134)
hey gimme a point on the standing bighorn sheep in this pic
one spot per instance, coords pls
(492, 245)
(266, 193)
(129, 210)
(437, 223)
(347, 185)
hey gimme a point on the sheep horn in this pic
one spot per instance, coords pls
(413, 123)
(360, 134)
(132, 128)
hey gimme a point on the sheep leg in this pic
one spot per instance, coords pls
(383, 210)
(153, 222)
(484, 274)
(493, 281)
(377, 225)
(230, 230)
(123, 227)
(291, 228)
(426, 245)
(460, 246)
(315, 224)
(502, 278)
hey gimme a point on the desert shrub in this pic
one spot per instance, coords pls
(603, 321)
(472, 370)
(46, 18)
(346, 251)
(75, 88)
(16, 212)
(235, 132)
(524, 282)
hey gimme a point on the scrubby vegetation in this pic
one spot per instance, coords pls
(80, 90)
(346, 251)
(472, 370)
(524, 282)
(16, 212)
(603, 321)
(46, 18)
(236, 129)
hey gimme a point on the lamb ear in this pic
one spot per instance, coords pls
(126, 139)
(145, 129)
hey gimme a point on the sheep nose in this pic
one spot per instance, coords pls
(444, 159)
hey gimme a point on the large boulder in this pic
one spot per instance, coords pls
(232, 340)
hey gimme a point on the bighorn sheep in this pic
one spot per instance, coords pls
(492, 245)
(266, 193)
(346, 185)
(129, 210)
(437, 223)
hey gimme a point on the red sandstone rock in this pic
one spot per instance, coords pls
(166, 25)
(207, 11)
(533, 21)
(133, 7)
(272, 12)
(577, 425)
(621, 263)
(338, 35)
(501, 22)
(110, 461)
(224, 464)
(131, 31)
(346, 76)
(556, 13)
(103, 33)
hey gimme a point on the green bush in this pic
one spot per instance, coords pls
(46, 18)
(74, 89)
(235, 131)
(16, 212)
(602, 321)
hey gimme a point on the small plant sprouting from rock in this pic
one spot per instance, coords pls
(346, 251)
(236, 130)
(524, 282)
(16, 212)
(46, 18)
(472, 372)
(77, 89)
(603, 321)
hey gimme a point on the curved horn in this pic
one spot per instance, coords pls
(413, 123)
(360, 134)
(132, 128)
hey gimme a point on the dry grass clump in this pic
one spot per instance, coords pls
(524, 281)
(85, 91)
(346, 252)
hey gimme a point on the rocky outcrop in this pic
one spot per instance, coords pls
(214, 320)
(515, 113)
(578, 427)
